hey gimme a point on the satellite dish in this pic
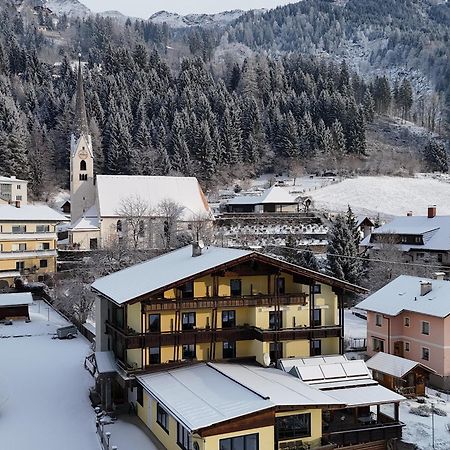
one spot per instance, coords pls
(266, 360)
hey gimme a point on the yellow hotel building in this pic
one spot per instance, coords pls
(188, 337)
(27, 242)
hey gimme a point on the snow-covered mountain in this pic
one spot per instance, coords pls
(175, 20)
(72, 8)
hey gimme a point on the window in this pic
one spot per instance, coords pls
(19, 186)
(317, 317)
(406, 322)
(317, 288)
(42, 228)
(235, 288)
(281, 286)
(377, 345)
(275, 350)
(188, 321)
(248, 442)
(44, 246)
(141, 228)
(425, 354)
(420, 255)
(162, 418)
(83, 177)
(18, 198)
(293, 427)
(316, 347)
(20, 265)
(187, 290)
(184, 438)
(378, 320)
(228, 319)
(439, 257)
(275, 320)
(406, 346)
(83, 165)
(229, 350)
(154, 323)
(43, 263)
(189, 351)
(154, 356)
(19, 247)
(119, 226)
(18, 229)
(140, 395)
(426, 328)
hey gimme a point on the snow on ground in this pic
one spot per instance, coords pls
(44, 403)
(354, 327)
(389, 196)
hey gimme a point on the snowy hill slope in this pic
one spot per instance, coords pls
(72, 8)
(389, 196)
(175, 20)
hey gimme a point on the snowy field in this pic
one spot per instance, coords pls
(389, 196)
(44, 403)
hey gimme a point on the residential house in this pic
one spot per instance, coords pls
(27, 242)
(410, 317)
(272, 200)
(203, 304)
(400, 374)
(369, 413)
(102, 206)
(423, 239)
(13, 190)
(365, 226)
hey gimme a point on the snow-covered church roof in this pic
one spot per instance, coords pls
(114, 190)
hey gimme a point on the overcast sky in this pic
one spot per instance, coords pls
(145, 8)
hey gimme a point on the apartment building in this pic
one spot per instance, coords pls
(27, 242)
(13, 190)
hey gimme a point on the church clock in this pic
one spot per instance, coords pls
(83, 154)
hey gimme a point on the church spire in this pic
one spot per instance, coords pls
(81, 122)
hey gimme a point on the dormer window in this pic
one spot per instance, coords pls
(83, 165)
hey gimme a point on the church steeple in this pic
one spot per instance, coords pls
(81, 127)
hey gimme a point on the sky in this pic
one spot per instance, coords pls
(145, 8)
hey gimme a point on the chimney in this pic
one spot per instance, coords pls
(17, 203)
(13, 177)
(438, 275)
(425, 288)
(409, 213)
(197, 248)
(431, 211)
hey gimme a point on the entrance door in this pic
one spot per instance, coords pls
(93, 244)
(316, 347)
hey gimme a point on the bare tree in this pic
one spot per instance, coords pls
(170, 213)
(201, 228)
(135, 211)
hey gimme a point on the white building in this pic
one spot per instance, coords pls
(13, 190)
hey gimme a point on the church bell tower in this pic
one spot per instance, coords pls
(82, 188)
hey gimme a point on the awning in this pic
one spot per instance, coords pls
(365, 395)
(105, 363)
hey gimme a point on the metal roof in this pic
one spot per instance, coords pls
(403, 294)
(393, 365)
(206, 394)
(365, 395)
(16, 299)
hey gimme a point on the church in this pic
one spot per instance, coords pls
(107, 208)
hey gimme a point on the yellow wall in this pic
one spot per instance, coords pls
(266, 438)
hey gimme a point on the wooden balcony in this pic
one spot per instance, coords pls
(206, 335)
(161, 304)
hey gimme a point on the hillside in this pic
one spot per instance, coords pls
(195, 20)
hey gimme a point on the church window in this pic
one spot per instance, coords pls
(83, 177)
(119, 226)
(83, 165)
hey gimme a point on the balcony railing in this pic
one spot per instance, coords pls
(161, 304)
(206, 335)
(28, 254)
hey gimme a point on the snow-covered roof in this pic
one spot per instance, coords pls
(365, 395)
(206, 394)
(9, 274)
(179, 265)
(114, 190)
(89, 221)
(328, 371)
(393, 365)
(275, 194)
(403, 294)
(35, 213)
(360, 219)
(11, 180)
(161, 271)
(106, 362)
(16, 299)
(435, 231)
